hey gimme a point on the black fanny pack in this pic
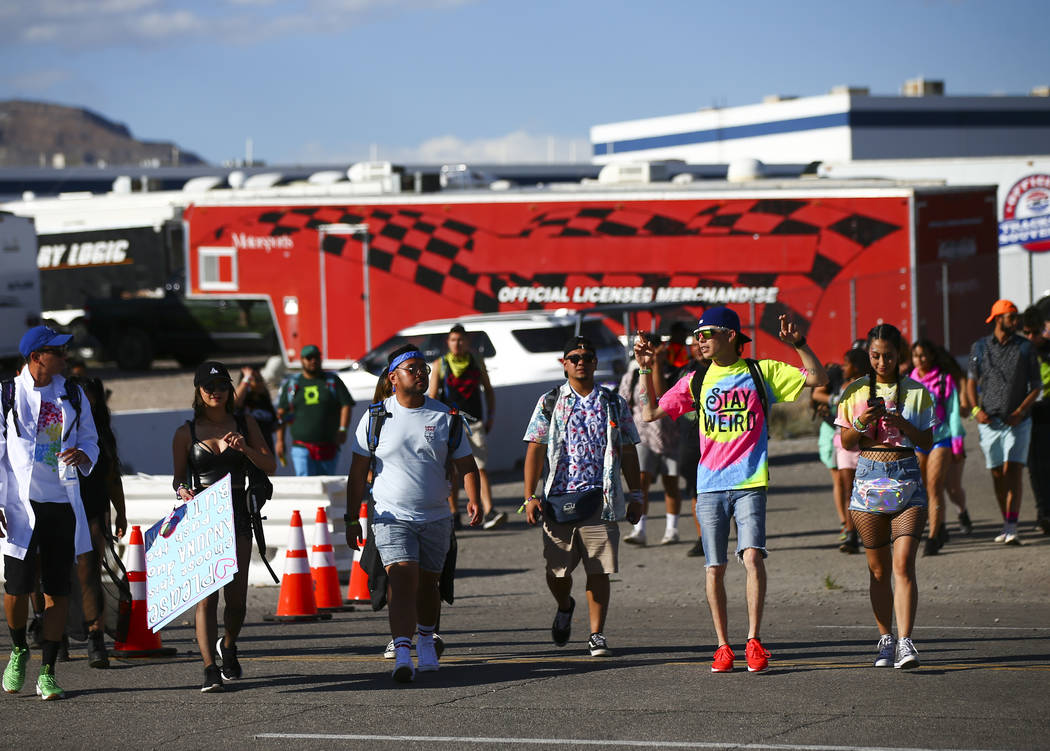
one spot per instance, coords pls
(573, 507)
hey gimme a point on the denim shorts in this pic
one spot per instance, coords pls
(714, 510)
(425, 543)
(1001, 443)
(903, 470)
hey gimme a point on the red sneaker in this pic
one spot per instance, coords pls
(723, 662)
(757, 656)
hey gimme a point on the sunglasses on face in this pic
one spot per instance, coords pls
(577, 359)
(416, 370)
(216, 387)
(56, 351)
(708, 333)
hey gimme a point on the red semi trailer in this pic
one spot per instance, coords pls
(346, 272)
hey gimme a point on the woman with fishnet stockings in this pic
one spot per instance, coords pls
(887, 415)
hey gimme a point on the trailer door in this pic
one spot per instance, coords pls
(346, 321)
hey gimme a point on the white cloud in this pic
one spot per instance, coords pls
(519, 146)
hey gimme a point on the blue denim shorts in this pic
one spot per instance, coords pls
(425, 543)
(904, 471)
(1001, 443)
(714, 510)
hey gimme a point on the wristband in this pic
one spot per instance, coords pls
(800, 343)
(351, 521)
(342, 428)
(634, 496)
(178, 494)
(859, 426)
(521, 508)
(974, 411)
(645, 371)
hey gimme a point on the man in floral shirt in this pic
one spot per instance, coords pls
(587, 436)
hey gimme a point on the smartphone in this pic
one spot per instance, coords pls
(877, 401)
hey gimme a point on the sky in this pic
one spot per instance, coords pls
(334, 81)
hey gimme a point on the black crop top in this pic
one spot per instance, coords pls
(207, 468)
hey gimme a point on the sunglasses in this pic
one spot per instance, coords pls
(216, 387)
(709, 333)
(56, 351)
(576, 359)
(416, 370)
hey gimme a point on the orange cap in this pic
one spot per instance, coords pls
(1001, 308)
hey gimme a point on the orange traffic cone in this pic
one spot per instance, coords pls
(296, 602)
(322, 567)
(141, 642)
(357, 591)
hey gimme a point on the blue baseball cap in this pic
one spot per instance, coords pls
(723, 318)
(39, 337)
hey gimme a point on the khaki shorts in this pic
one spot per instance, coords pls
(478, 443)
(596, 542)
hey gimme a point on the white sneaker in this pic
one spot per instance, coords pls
(426, 655)
(404, 671)
(1001, 537)
(1012, 539)
(887, 651)
(670, 537)
(390, 652)
(635, 538)
(907, 655)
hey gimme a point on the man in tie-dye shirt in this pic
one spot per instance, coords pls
(732, 475)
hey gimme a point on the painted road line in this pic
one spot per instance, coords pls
(951, 628)
(700, 662)
(581, 742)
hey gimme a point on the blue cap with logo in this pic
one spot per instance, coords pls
(723, 318)
(39, 337)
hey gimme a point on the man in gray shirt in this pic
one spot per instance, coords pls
(1005, 369)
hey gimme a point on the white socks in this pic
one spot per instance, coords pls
(672, 521)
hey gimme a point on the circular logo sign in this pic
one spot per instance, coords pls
(1026, 214)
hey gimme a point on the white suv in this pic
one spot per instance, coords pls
(521, 352)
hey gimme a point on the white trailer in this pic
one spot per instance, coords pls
(19, 282)
(1023, 204)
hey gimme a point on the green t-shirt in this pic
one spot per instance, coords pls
(313, 405)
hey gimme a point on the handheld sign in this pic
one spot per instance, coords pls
(190, 553)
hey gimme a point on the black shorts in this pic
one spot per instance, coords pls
(52, 546)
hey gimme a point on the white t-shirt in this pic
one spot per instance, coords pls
(44, 485)
(410, 481)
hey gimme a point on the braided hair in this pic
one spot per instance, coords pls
(892, 335)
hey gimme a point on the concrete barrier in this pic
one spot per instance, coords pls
(150, 498)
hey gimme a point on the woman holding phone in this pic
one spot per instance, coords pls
(887, 415)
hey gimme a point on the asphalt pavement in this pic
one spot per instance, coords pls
(983, 636)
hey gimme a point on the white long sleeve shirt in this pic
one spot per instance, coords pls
(17, 458)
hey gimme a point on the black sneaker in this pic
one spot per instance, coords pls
(439, 645)
(98, 657)
(212, 680)
(561, 629)
(931, 547)
(1043, 522)
(942, 535)
(965, 525)
(598, 646)
(231, 667)
(851, 544)
(696, 551)
(494, 519)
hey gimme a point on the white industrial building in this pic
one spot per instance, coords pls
(920, 135)
(844, 125)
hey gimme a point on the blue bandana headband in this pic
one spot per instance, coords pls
(401, 358)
